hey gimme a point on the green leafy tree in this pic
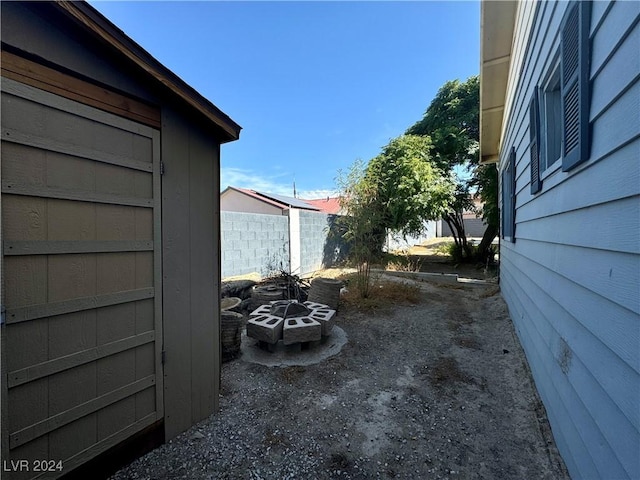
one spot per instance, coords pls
(409, 188)
(397, 190)
(360, 222)
(452, 124)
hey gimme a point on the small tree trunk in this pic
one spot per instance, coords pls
(455, 221)
(484, 249)
(454, 229)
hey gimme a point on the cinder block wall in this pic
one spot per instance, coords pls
(253, 242)
(314, 227)
(397, 242)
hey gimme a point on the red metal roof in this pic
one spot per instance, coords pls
(329, 205)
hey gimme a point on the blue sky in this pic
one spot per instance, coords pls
(315, 85)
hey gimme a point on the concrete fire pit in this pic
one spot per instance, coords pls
(290, 321)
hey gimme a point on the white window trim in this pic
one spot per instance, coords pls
(553, 70)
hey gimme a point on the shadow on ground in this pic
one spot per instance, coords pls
(440, 389)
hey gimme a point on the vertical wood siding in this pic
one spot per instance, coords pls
(80, 270)
(191, 271)
(572, 278)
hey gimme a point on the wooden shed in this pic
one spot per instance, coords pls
(110, 240)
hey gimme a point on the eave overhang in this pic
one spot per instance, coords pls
(497, 22)
(95, 22)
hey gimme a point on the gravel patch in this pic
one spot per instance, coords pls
(438, 390)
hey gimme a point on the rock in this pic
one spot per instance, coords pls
(237, 288)
(326, 291)
(230, 334)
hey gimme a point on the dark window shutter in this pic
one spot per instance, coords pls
(574, 84)
(512, 216)
(534, 145)
(509, 197)
(504, 223)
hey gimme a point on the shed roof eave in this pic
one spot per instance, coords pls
(103, 28)
(497, 24)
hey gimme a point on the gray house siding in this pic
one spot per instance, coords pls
(572, 277)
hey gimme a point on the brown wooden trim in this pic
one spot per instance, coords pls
(61, 419)
(29, 140)
(75, 195)
(157, 269)
(101, 461)
(66, 247)
(83, 13)
(50, 367)
(33, 312)
(53, 81)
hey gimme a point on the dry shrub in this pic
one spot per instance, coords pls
(403, 262)
(383, 294)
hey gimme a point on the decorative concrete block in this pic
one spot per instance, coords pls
(301, 329)
(313, 305)
(265, 328)
(261, 310)
(325, 316)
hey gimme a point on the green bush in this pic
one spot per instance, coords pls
(455, 252)
(457, 255)
(444, 248)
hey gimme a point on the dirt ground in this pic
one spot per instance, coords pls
(439, 389)
(431, 256)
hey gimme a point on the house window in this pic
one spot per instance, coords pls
(551, 120)
(559, 108)
(509, 198)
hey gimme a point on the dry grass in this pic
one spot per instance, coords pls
(436, 246)
(383, 295)
(332, 273)
(404, 263)
(255, 276)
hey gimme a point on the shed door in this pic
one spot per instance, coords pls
(82, 280)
